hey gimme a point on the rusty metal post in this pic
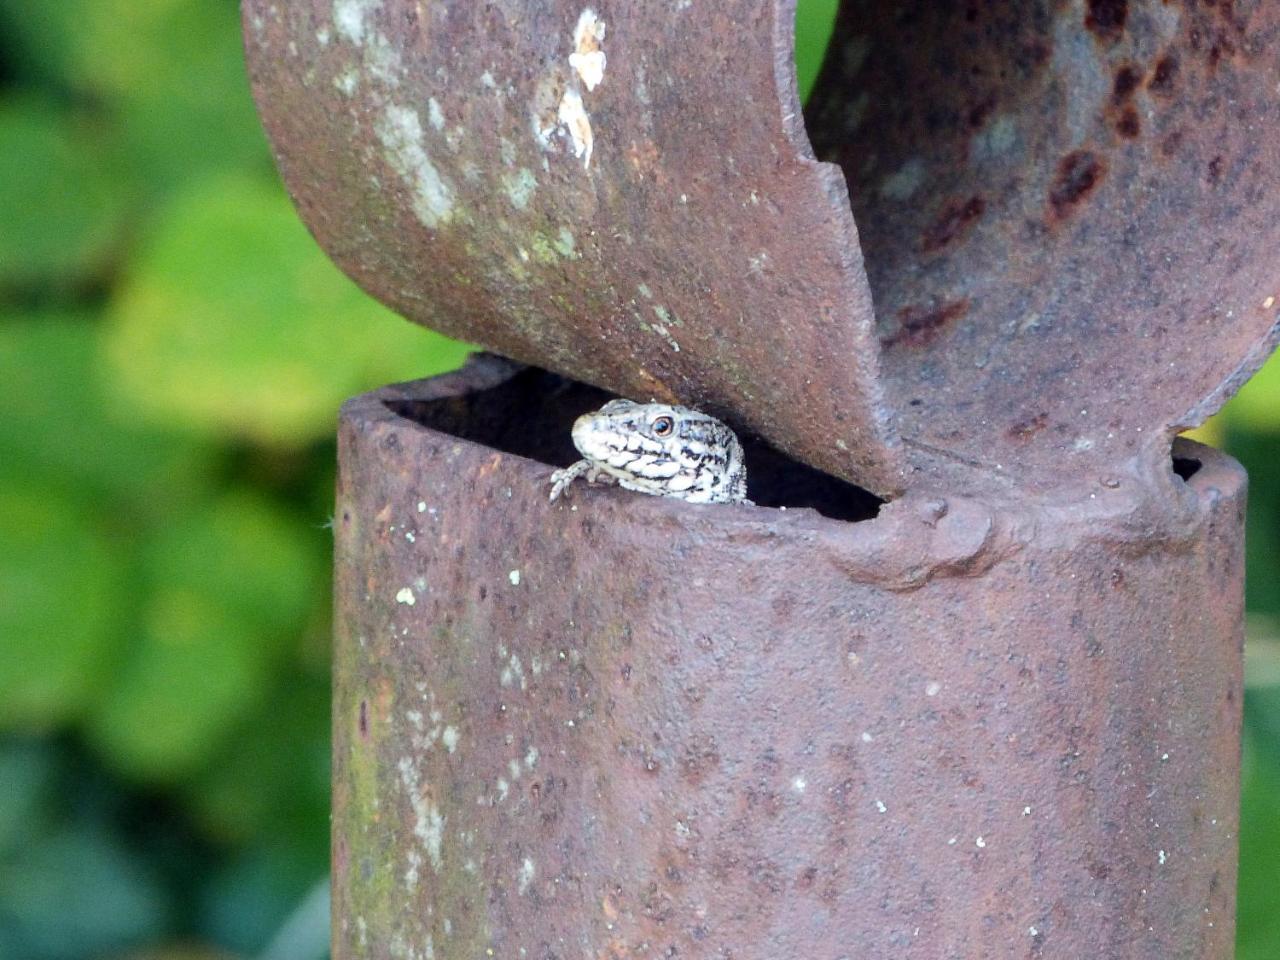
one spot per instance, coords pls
(630, 727)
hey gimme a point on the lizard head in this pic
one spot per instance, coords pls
(663, 449)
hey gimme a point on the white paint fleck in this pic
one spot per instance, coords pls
(1164, 757)
(405, 596)
(408, 535)
(400, 131)
(520, 187)
(1162, 857)
(799, 784)
(573, 116)
(880, 807)
(952, 842)
(1026, 811)
(980, 843)
(902, 184)
(1033, 931)
(932, 689)
(449, 737)
(422, 506)
(866, 736)
(525, 876)
(487, 81)
(514, 577)
(588, 56)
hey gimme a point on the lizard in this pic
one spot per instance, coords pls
(659, 449)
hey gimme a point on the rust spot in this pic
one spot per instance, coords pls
(1078, 173)
(1028, 428)
(1126, 81)
(1164, 75)
(1106, 18)
(955, 219)
(1128, 126)
(918, 326)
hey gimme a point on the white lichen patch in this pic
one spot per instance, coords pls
(588, 55)
(531, 758)
(513, 673)
(932, 689)
(449, 737)
(347, 82)
(525, 876)
(400, 131)
(519, 187)
(349, 18)
(435, 116)
(429, 823)
(573, 117)
(564, 244)
(905, 181)
(405, 596)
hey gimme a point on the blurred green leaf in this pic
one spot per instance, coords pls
(245, 904)
(272, 780)
(170, 72)
(228, 590)
(1257, 406)
(247, 554)
(62, 211)
(26, 792)
(815, 21)
(233, 321)
(78, 893)
(1258, 921)
(59, 608)
(59, 431)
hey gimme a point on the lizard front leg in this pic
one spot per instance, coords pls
(561, 479)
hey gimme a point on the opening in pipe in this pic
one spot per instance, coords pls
(530, 415)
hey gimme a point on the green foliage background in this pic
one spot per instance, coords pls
(173, 350)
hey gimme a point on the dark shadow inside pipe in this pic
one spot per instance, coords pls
(531, 414)
(1186, 467)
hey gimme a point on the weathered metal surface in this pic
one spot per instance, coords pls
(624, 726)
(1069, 212)
(1069, 209)
(664, 231)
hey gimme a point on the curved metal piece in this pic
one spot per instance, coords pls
(622, 192)
(1070, 214)
(1069, 210)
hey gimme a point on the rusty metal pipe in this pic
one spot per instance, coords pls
(623, 726)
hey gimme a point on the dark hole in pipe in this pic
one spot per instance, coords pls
(1186, 467)
(531, 413)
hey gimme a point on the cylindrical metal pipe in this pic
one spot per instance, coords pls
(623, 726)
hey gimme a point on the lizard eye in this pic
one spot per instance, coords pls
(663, 426)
